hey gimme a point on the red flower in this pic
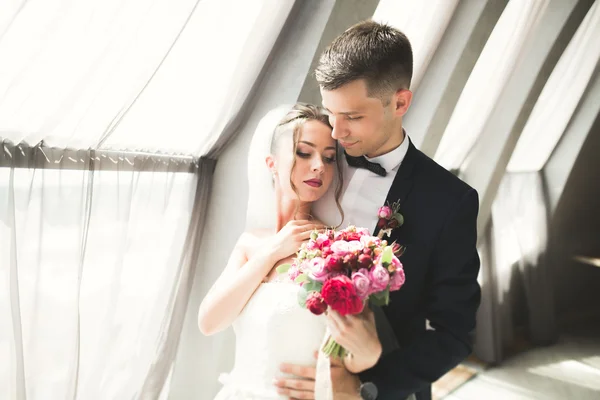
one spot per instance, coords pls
(334, 263)
(382, 223)
(365, 261)
(315, 303)
(351, 260)
(397, 249)
(339, 294)
(350, 236)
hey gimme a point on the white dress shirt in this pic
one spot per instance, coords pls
(363, 191)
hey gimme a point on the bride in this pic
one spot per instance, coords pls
(270, 327)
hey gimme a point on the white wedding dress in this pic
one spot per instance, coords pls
(271, 329)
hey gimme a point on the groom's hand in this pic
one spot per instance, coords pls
(344, 384)
(358, 335)
(302, 387)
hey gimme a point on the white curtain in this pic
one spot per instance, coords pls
(552, 112)
(497, 62)
(206, 79)
(520, 237)
(521, 284)
(423, 22)
(70, 68)
(88, 248)
(99, 245)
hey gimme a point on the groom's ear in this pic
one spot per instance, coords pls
(402, 100)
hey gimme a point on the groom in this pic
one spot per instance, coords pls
(364, 76)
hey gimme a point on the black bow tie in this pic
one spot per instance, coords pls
(362, 162)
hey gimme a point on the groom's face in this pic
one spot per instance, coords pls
(361, 124)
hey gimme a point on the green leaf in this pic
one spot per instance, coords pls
(377, 301)
(301, 278)
(380, 299)
(386, 256)
(302, 295)
(313, 286)
(399, 217)
(283, 268)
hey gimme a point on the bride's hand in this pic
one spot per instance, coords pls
(345, 385)
(289, 239)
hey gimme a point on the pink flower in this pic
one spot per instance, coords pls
(363, 232)
(370, 241)
(379, 278)
(340, 248)
(395, 264)
(385, 212)
(312, 245)
(397, 279)
(326, 251)
(355, 246)
(361, 282)
(317, 270)
(315, 303)
(293, 272)
(322, 241)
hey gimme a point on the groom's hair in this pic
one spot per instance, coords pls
(375, 52)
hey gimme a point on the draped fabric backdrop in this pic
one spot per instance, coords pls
(99, 231)
(493, 98)
(124, 125)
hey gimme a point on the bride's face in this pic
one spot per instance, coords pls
(312, 167)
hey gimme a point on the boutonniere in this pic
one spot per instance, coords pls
(389, 219)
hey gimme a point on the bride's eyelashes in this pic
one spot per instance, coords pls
(302, 155)
(327, 160)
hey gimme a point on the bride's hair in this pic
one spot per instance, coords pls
(292, 124)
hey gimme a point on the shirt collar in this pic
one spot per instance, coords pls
(390, 161)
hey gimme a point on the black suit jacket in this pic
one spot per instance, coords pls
(441, 265)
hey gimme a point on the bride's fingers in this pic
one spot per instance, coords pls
(301, 371)
(305, 235)
(296, 388)
(296, 394)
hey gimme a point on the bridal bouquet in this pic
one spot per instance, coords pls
(343, 270)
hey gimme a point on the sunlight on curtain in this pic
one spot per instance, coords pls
(203, 82)
(423, 22)
(68, 68)
(499, 58)
(560, 97)
(94, 254)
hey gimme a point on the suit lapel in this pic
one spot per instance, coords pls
(402, 184)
